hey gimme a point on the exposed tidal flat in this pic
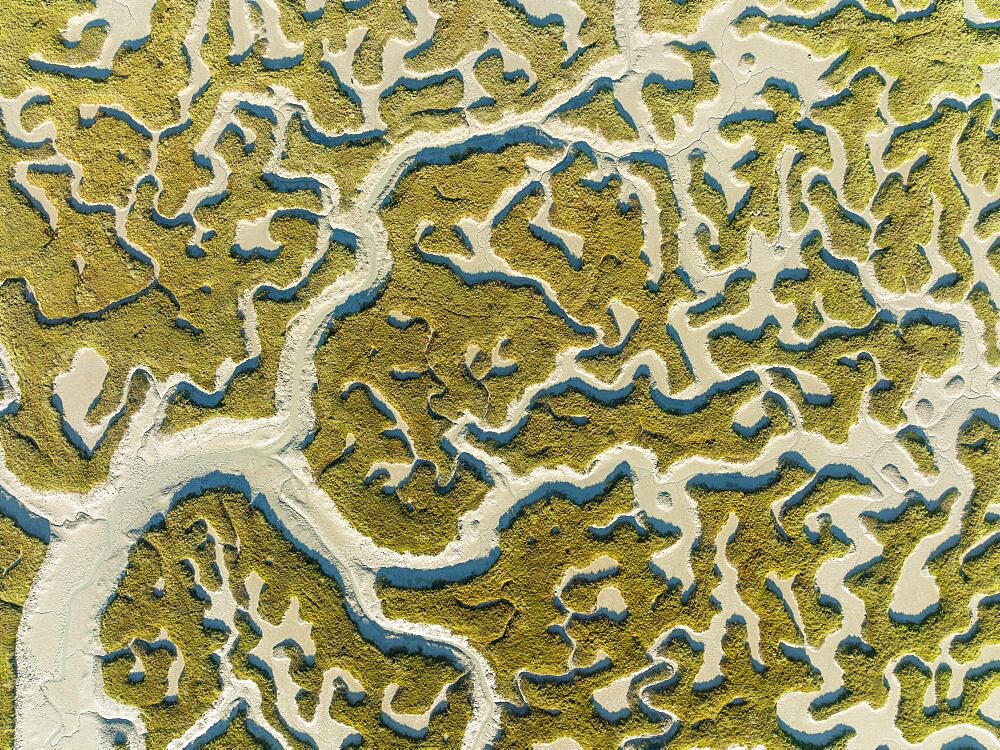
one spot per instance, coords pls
(512, 373)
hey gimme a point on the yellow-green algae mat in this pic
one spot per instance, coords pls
(546, 374)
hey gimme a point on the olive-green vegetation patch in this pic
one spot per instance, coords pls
(753, 248)
(509, 613)
(20, 557)
(159, 591)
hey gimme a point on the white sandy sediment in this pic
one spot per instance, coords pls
(76, 391)
(61, 702)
